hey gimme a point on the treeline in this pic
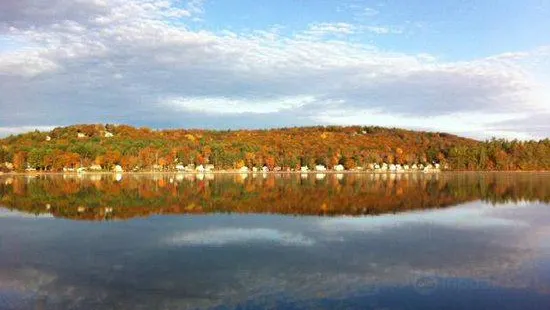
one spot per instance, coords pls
(287, 148)
(103, 197)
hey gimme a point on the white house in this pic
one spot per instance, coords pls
(180, 167)
(118, 168)
(209, 168)
(108, 134)
(243, 169)
(200, 168)
(80, 135)
(48, 138)
(265, 169)
(392, 167)
(339, 168)
(95, 167)
(320, 168)
(254, 169)
(304, 168)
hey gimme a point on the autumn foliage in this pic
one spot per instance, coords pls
(103, 197)
(287, 148)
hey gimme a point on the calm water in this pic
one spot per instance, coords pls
(454, 241)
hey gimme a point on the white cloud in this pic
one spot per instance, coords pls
(233, 106)
(474, 125)
(6, 131)
(321, 29)
(469, 216)
(224, 236)
(114, 61)
(5, 213)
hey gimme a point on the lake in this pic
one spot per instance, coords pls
(275, 241)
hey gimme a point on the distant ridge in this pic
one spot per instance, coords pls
(353, 147)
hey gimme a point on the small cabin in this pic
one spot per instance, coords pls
(95, 167)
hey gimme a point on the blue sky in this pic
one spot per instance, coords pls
(474, 68)
(453, 30)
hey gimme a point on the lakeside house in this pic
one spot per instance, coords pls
(8, 165)
(339, 168)
(95, 167)
(118, 169)
(320, 168)
(304, 169)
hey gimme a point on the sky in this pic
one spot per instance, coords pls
(476, 68)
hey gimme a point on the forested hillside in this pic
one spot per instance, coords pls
(288, 148)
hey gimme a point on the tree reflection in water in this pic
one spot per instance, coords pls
(108, 197)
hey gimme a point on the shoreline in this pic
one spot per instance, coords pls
(228, 172)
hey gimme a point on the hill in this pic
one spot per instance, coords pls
(288, 148)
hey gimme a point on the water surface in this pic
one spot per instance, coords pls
(289, 241)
